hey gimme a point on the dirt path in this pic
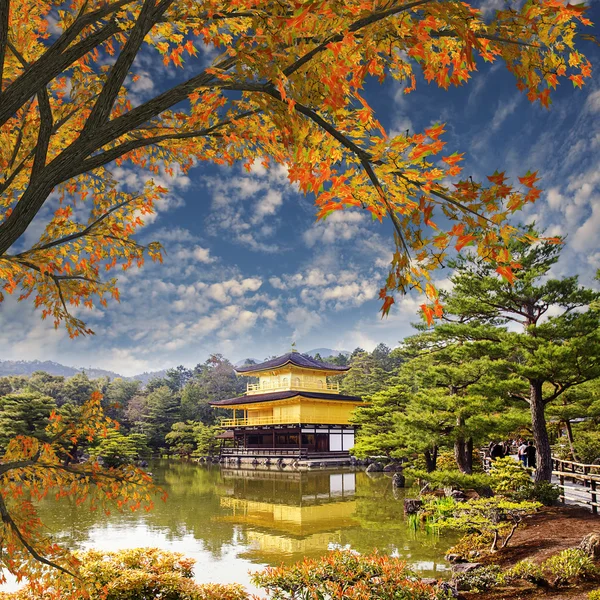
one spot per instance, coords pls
(546, 533)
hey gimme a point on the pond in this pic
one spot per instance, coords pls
(233, 521)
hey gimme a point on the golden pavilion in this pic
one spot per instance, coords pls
(293, 410)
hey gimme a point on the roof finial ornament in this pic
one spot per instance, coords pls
(294, 349)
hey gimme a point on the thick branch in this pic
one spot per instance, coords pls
(119, 71)
(44, 133)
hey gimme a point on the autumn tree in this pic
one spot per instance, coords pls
(286, 86)
(32, 467)
(553, 351)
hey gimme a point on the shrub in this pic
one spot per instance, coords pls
(509, 478)
(545, 492)
(472, 545)
(495, 517)
(479, 482)
(526, 570)
(478, 580)
(594, 595)
(346, 575)
(569, 566)
(129, 575)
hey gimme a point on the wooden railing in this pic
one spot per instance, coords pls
(585, 480)
(324, 416)
(265, 452)
(296, 384)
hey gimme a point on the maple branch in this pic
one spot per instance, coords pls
(364, 22)
(103, 158)
(444, 196)
(119, 71)
(4, 12)
(483, 36)
(79, 234)
(375, 180)
(6, 518)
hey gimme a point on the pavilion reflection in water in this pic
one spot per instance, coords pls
(290, 514)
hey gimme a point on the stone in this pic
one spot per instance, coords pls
(429, 581)
(465, 567)
(590, 544)
(412, 505)
(398, 480)
(393, 467)
(458, 495)
(454, 558)
(375, 467)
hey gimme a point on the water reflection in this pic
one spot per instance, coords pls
(235, 520)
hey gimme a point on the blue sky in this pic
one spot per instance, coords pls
(248, 270)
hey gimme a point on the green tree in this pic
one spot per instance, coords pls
(26, 413)
(207, 443)
(78, 389)
(577, 403)
(548, 356)
(217, 378)
(161, 410)
(365, 377)
(117, 397)
(182, 438)
(195, 404)
(117, 449)
(177, 378)
(48, 385)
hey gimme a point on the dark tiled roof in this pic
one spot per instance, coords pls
(283, 396)
(293, 358)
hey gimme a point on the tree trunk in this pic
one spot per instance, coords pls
(463, 454)
(540, 432)
(570, 438)
(431, 459)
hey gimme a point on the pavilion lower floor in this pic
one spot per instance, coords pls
(281, 441)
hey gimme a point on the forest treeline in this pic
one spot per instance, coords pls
(509, 359)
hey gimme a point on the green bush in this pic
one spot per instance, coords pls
(346, 575)
(478, 580)
(545, 492)
(509, 478)
(569, 566)
(594, 595)
(526, 570)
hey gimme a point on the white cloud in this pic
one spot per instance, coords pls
(302, 320)
(341, 225)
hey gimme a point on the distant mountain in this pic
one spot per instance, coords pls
(247, 361)
(326, 352)
(27, 367)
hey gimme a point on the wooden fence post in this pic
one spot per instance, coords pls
(594, 501)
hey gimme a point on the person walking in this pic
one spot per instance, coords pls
(522, 453)
(497, 452)
(531, 456)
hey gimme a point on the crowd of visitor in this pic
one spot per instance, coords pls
(526, 451)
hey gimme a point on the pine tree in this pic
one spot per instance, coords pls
(551, 354)
(27, 413)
